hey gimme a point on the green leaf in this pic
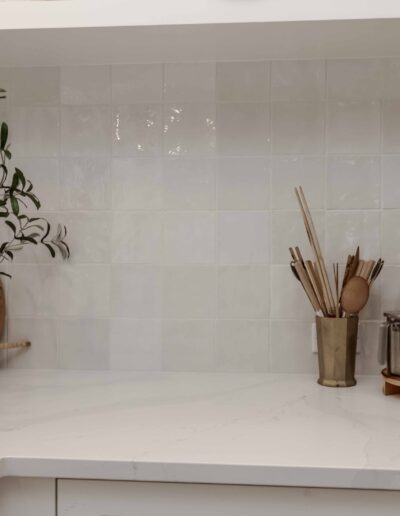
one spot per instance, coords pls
(21, 177)
(15, 180)
(51, 250)
(3, 135)
(11, 225)
(1, 272)
(34, 199)
(8, 156)
(14, 205)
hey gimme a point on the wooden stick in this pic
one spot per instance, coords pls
(360, 267)
(316, 286)
(336, 276)
(13, 345)
(314, 242)
(307, 286)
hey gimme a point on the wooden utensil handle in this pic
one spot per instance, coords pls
(13, 345)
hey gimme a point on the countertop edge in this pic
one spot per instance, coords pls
(233, 474)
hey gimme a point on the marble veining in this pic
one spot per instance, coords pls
(260, 429)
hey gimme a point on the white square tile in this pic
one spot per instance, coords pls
(84, 290)
(297, 80)
(391, 126)
(243, 237)
(353, 127)
(246, 80)
(290, 348)
(137, 83)
(288, 172)
(38, 86)
(243, 292)
(189, 292)
(6, 81)
(137, 184)
(242, 345)
(137, 237)
(297, 127)
(135, 344)
(353, 182)
(137, 130)
(189, 129)
(88, 236)
(243, 183)
(189, 238)
(367, 360)
(85, 131)
(188, 345)
(390, 182)
(136, 291)
(83, 344)
(85, 183)
(243, 129)
(35, 131)
(82, 85)
(33, 290)
(354, 78)
(189, 184)
(391, 78)
(346, 230)
(288, 299)
(42, 354)
(186, 82)
(389, 281)
(288, 231)
(45, 177)
(390, 236)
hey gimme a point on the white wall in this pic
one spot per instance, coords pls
(176, 184)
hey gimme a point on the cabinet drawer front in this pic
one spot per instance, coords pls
(27, 497)
(103, 498)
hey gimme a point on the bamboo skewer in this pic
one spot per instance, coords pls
(13, 345)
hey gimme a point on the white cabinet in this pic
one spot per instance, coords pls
(27, 497)
(99, 498)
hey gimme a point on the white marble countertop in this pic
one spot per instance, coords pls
(216, 428)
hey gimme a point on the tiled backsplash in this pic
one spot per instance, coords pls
(176, 184)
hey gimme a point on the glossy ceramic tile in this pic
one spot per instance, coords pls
(243, 81)
(85, 85)
(85, 131)
(391, 236)
(188, 345)
(137, 83)
(137, 130)
(355, 78)
(353, 127)
(38, 86)
(391, 78)
(298, 80)
(189, 129)
(187, 82)
(241, 345)
(288, 172)
(391, 126)
(353, 183)
(390, 182)
(35, 131)
(189, 184)
(297, 127)
(243, 238)
(135, 344)
(45, 176)
(389, 279)
(243, 183)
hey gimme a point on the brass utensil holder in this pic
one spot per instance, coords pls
(337, 346)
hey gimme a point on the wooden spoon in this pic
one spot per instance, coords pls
(355, 295)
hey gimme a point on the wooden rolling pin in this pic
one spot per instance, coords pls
(13, 345)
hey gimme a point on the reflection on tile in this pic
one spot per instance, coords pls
(242, 345)
(189, 129)
(297, 80)
(353, 183)
(353, 127)
(135, 344)
(82, 85)
(242, 80)
(137, 130)
(289, 172)
(297, 127)
(137, 83)
(243, 129)
(243, 183)
(185, 82)
(188, 345)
